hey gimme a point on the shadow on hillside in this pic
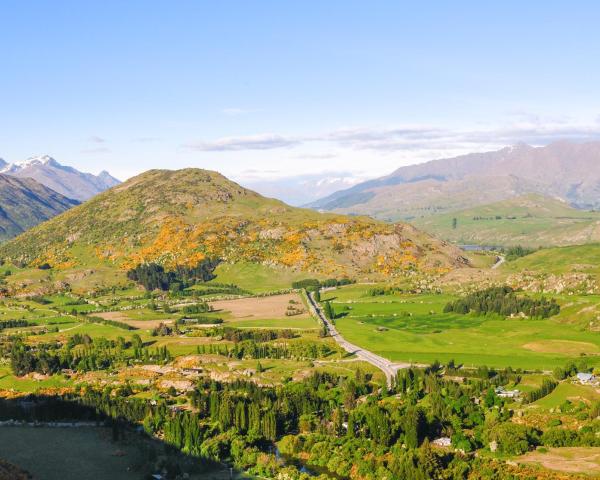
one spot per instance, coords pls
(56, 423)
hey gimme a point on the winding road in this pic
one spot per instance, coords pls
(390, 369)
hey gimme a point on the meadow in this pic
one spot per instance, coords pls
(413, 328)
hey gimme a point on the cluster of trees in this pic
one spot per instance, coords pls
(81, 353)
(202, 307)
(546, 388)
(512, 253)
(570, 369)
(250, 349)
(148, 355)
(153, 276)
(503, 301)
(313, 283)
(378, 291)
(328, 311)
(50, 359)
(4, 324)
(257, 335)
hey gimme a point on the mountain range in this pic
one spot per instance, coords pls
(179, 217)
(565, 170)
(24, 203)
(65, 180)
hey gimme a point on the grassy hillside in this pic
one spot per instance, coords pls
(572, 259)
(179, 217)
(530, 220)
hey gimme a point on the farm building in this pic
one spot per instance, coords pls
(586, 378)
(503, 393)
(442, 442)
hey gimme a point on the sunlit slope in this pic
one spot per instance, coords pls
(179, 217)
(530, 220)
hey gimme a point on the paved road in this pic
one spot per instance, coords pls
(499, 262)
(388, 368)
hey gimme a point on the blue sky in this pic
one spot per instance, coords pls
(261, 90)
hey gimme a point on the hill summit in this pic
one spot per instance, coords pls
(177, 218)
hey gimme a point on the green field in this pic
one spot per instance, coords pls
(257, 278)
(412, 328)
(568, 391)
(531, 220)
(579, 258)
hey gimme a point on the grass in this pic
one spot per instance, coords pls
(568, 391)
(580, 258)
(288, 322)
(532, 220)
(413, 328)
(582, 460)
(257, 278)
(9, 382)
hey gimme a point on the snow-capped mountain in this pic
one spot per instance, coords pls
(68, 181)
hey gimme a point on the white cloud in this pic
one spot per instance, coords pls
(526, 128)
(266, 141)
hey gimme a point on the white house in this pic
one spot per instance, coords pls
(586, 378)
(442, 442)
(503, 393)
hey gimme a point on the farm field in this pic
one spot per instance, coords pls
(256, 278)
(584, 460)
(571, 392)
(579, 258)
(413, 328)
(274, 306)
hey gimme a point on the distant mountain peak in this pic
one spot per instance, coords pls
(65, 180)
(564, 169)
(39, 160)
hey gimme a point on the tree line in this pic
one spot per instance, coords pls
(503, 301)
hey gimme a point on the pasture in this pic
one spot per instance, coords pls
(413, 328)
(584, 460)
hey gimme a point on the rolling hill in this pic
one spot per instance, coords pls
(24, 203)
(566, 170)
(530, 220)
(180, 217)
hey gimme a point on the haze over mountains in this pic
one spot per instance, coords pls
(65, 180)
(24, 203)
(566, 170)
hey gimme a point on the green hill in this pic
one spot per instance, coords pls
(529, 220)
(560, 260)
(177, 218)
